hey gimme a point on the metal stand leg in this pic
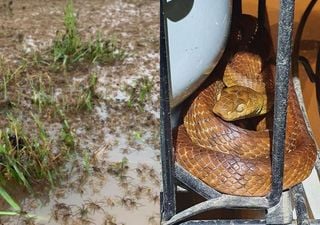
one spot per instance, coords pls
(282, 212)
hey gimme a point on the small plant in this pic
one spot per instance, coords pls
(68, 48)
(40, 97)
(27, 157)
(8, 75)
(85, 101)
(12, 144)
(16, 210)
(119, 169)
(103, 51)
(137, 135)
(67, 135)
(86, 161)
(139, 92)
(67, 45)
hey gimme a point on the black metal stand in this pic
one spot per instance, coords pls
(168, 207)
(313, 76)
(173, 173)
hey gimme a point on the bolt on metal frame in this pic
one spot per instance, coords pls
(172, 173)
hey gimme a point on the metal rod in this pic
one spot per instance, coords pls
(262, 13)
(195, 184)
(281, 97)
(168, 201)
(237, 8)
(297, 39)
(313, 76)
(300, 205)
(225, 201)
(224, 222)
(237, 222)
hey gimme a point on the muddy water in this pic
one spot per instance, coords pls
(113, 132)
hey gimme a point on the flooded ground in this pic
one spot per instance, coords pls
(116, 178)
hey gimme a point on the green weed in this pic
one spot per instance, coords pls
(68, 48)
(87, 96)
(40, 97)
(119, 169)
(86, 161)
(8, 75)
(15, 207)
(137, 135)
(103, 51)
(139, 92)
(67, 45)
(67, 135)
(27, 158)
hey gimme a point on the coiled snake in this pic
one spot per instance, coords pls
(228, 157)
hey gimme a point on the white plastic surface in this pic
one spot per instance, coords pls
(196, 44)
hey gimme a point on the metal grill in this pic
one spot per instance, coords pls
(173, 174)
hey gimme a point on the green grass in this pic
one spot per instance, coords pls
(66, 134)
(103, 51)
(39, 96)
(28, 158)
(26, 149)
(16, 210)
(86, 158)
(119, 169)
(85, 101)
(68, 48)
(8, 76)
(139, 92)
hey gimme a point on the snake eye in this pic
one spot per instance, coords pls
(240, 107)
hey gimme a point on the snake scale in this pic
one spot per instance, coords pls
(233, 159)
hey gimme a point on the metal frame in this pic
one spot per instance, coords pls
(172, 172)
(313, 76)
(168, 198)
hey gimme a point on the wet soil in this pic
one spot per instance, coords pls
(112, 132)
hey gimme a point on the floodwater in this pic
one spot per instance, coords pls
(115, 134)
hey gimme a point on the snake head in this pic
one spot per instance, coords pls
(238, 102)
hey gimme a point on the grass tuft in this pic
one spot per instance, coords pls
(28, 158)
(10, 201)
(85, 101)
(68, 48)
(66, 45)
(119, 169)
(139, 92)
(40, 97)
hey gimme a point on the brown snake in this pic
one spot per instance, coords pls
(236, 160)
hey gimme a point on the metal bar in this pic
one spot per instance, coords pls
(313, 76)
(300, 205)
(237, 222)
(237, 8)
(195, 184)
(297, 39)
(225, 201)
(281, 97)
(282, 213)
(262, 13)
(224, 222)
(168, 201)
